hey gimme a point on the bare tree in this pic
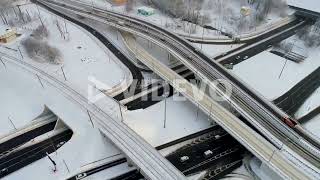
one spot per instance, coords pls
(310, 35)
(41, 51)
(40, 32)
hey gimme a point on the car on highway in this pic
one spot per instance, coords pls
(81, 176)
(217, 136)
(208, 153)
(184, 158)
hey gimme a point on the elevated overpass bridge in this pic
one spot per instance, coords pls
(260, 148)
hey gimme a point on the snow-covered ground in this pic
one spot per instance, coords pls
(182, 119)
(310, 104)
(212, 50)
(262, 72)
(82, 57)
(313, 126)
(21, 101)
(23, 98)
(225, 18)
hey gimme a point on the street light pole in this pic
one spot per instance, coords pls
(165, 95)
(202, 32)
(64, 75)
(12, 123)
(120, 111)
(3, 63)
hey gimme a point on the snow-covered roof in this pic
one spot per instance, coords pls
(312, 5)
(145, 8)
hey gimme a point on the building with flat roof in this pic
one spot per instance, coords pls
(7, 34)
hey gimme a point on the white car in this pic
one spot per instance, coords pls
(208, 153)
(121, 23)
(184, 158)
(217, 136)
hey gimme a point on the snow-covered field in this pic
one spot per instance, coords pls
(182, 119)
(82, 57)
(310, 104)
(23, 98)
(212, 50)
(225, 18)
(262, 72)
(313, 126)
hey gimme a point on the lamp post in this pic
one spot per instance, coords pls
(165, 96)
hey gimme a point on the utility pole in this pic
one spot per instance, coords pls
(40, 80)
(53, 162)
(289, 51)
(65, 26)
(3, 63)
(64, 162)
(64, 75)
(120, 109)
(283, 68)
(12, 123)
(90, 118)
(198, 108)
(108, 55)
(165, 96)
(209, 115)
(20, 52)
(92, 4)
(202, 32)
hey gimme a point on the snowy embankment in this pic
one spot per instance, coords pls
(312, 102)
(263, 72)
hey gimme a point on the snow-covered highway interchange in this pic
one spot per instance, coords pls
(280, 142)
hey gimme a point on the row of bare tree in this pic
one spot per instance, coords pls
(310, 35)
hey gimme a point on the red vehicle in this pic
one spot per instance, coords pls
(290, 122)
